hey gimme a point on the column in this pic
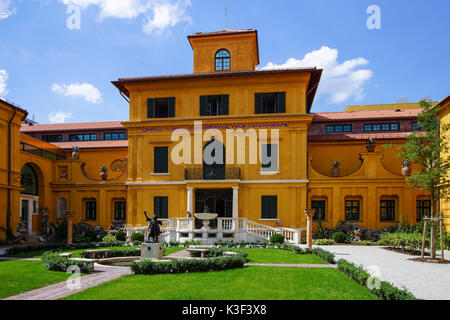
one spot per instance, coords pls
(69, 217)
(190, 200)
(235, 202)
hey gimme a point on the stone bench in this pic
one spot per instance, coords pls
(229, 253)
(91, 253)
(67, 255)
(203, 252)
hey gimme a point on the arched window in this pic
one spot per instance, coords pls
(61, 206)
(223, 60)
(29, 181)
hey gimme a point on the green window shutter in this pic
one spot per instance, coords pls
(225, 105)
(172, 107)
(269, 207)
(164, 205)
(203, 104)
(161, 155)
(259, 103)
(157, 206)
(150, 108)
(281, 102)
(273, 207)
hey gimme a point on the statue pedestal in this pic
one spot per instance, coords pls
(152, 250)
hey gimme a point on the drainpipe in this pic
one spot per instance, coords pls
(8, 206)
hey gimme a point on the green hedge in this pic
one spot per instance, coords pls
(267, 245)
(61, 246)
(125, 252)
(187, 265)
(54, 262)
(402, 241)
(217, 252)
(326, 255)
(385, 290)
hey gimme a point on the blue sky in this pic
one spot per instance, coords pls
(61, 74)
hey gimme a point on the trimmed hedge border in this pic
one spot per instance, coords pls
(54, 262)
(148, 267)
(385, 291)
(62, 246)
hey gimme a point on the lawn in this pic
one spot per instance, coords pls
(250, 283)
(19, 276)
(256, 255)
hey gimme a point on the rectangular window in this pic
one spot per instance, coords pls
(387, 210)
(91, 210)
(339, 128)
(319, 206)
(52, 138)
(269, 207)
(120, 210)
(83, 137)
(423, 209)
(269, 157)
(115, 136)
(270, 102)
(161, 160)
(214, 105)
(381, 127)
(161, 206)
(352, 210)
(161, 107)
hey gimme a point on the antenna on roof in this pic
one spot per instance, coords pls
(226, 14)
(427, 98)
(402, 100)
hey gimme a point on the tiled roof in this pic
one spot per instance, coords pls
(359, 136)
(92, 144)
(221, 32)
(366, 115)
(72, 126)
(14, 106)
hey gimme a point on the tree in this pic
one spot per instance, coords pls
(428, 149)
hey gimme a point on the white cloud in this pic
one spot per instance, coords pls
(59, 116)
(3, 78)
(5, 9)
(340, 81)
(85, 90)
(166, 13)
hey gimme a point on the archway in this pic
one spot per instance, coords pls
(31, 182)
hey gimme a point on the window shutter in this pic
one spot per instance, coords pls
(281, 103)
(161, 160)
(203, 103)
(225, 104)
(150, 108)
(172, 107)
(264, 207)
(157, 206)
(164, 205)
(273, 207)
(258, 103)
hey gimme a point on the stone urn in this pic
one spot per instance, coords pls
(406, 169)
(370, 146)
(103, 172)
(75, 153)
(336, 169)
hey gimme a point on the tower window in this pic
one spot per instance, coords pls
(223, 60)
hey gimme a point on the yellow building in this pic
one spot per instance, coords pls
(227, 139)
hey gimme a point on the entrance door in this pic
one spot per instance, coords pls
(28, 209)
(24, 211)
(216, 201)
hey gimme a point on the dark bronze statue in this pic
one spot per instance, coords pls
(153, 228)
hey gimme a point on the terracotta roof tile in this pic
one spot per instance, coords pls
(359, 136)
(92, 144)
(220, 32)
(365, 114)
(72, 126)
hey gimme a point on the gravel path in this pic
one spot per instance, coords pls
(428, 281)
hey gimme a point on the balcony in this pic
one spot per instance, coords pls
(213, 173)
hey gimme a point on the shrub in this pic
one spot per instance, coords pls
(326, 255)
(137, 238)
(60, 246)
(384, 290)
(402, 241)
(186, 265)
(53, 262)
(120, 236)
(323, 242)
(109, 239)
(126, 252)
(340, 237)
(277, 238)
